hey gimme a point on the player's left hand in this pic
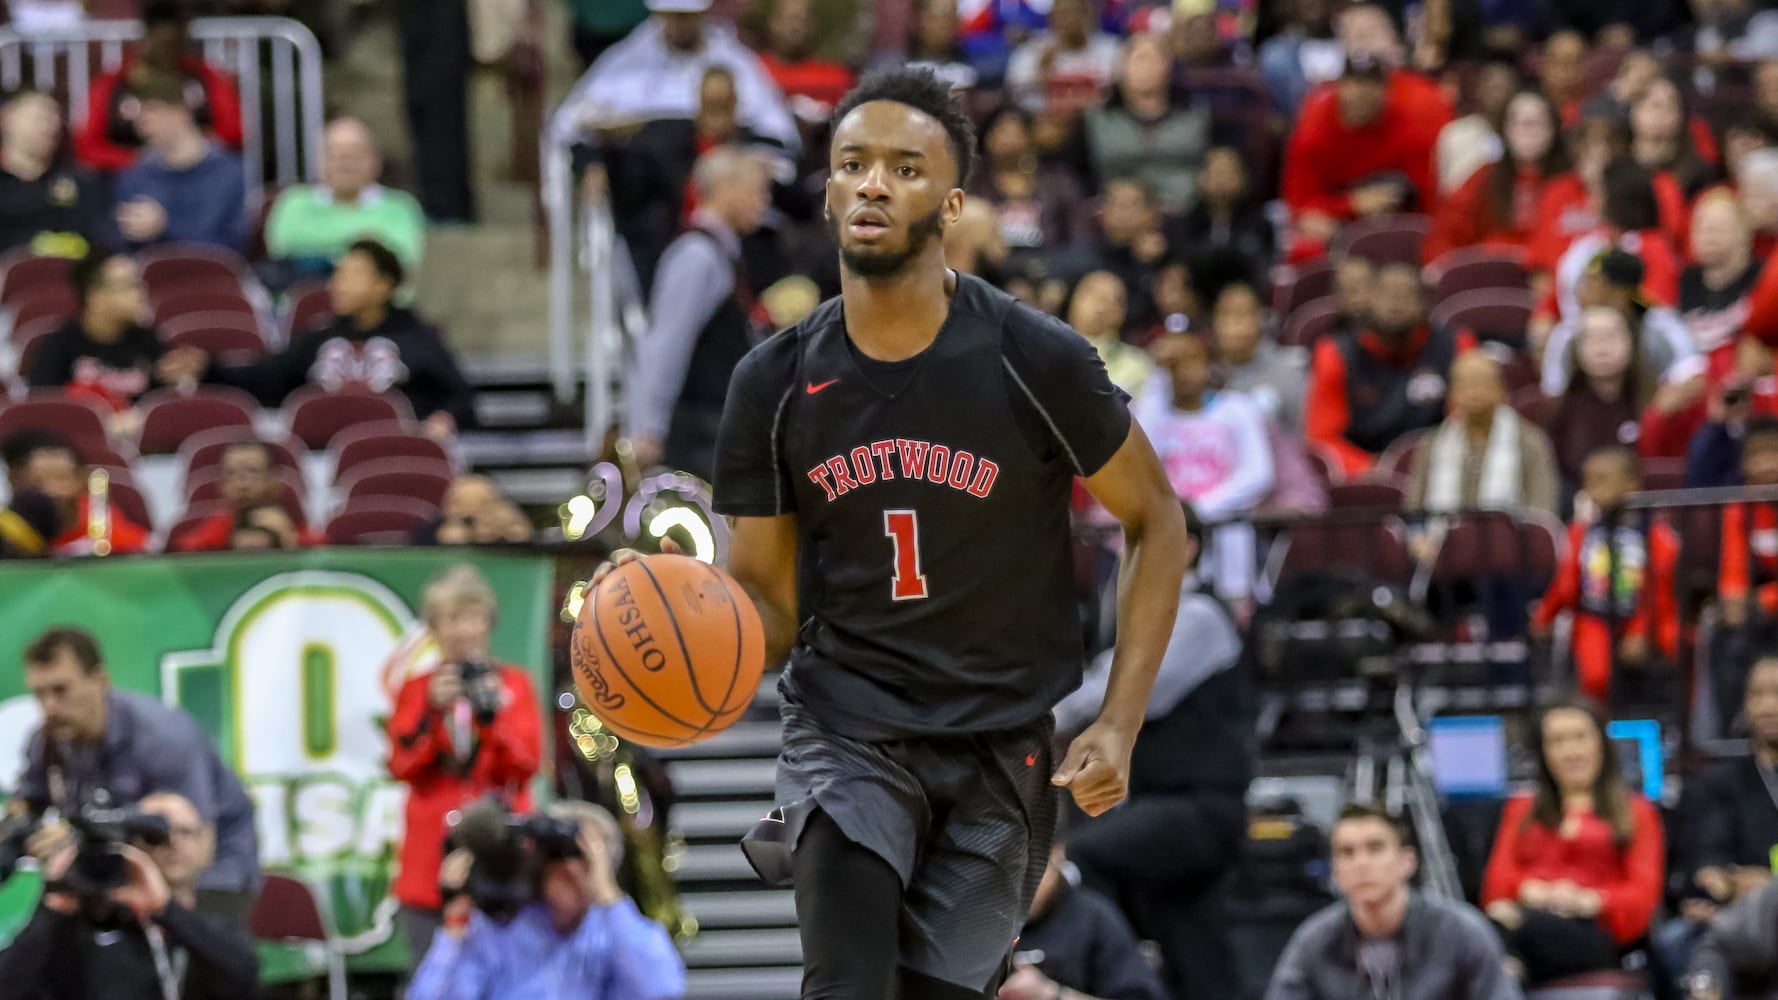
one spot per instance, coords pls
(1096, 768)
(1028, 983)
(623, 557)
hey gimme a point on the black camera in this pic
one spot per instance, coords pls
(1735, 395)
(98, 866)
(510, 853)
(99, 831)
(484, 698)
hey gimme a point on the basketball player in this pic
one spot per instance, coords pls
(898, 469)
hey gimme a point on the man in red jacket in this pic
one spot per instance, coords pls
(469, 729)
(108, 141)
(1363, 146)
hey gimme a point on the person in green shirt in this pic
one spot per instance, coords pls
(311, 225)
(600, 24)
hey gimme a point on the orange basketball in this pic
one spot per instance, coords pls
(668, 650)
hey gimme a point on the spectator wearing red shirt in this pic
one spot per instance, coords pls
(1616, 579)
(249, 485)
(467, 730)
(1574, 203)
(1662, 138)
(811, 85)
(1630, 226)
(1368, 389)
(1731, 389)
(1497, 205)
(1750, 531)
(50, 464)
(108, 141)
(1577, 866)
(1362, 146)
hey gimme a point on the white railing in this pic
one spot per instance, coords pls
(586, 346)
(259, 52)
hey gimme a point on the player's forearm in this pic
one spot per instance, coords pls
(1147, 601)
(779, 624)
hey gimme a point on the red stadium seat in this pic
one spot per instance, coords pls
(57, 302)
(1398, 458)
(75, 417)
(1392, 239)
(187, 300)
(179, 265)
(371, 520)
(204, 450)
(286, 913)
(308, 307)
(1533, 405)
(1324, 461)
(23, 273)
(1385, 491)
(127, 499)
(355, 446)
(27, 339)
(170, 418)
(206, 488)
(1294, 285)
(1309, 322)
(102, 451)
(1339, 544)
(1470, 269)
(1663, 474)
(317, 415)
(229, 344)
(1495, 314)
(1494, 544)
(420, 478)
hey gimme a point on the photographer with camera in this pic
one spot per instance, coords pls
(534, 910)
(121, 919)
(468, 729)
(99, 746)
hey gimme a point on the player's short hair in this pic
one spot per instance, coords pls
(383, 259)
(918, 87)
(54, 641)
(460, 586)
(1355, 811)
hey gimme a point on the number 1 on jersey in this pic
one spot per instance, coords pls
(903, 527)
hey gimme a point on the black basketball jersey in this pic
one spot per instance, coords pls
(932, 500)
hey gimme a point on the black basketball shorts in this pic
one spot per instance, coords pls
(966, 821)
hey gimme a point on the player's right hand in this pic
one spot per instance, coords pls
(624, 557)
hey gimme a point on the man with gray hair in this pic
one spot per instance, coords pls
(702, 317)
(1757, 185)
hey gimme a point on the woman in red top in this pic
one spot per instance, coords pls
(1662, 140)
(1573, 204)
(455, 737)
(1497, 205)
(1577, 865)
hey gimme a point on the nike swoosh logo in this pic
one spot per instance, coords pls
(812, 388)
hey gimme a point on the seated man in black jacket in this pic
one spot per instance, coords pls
(159, 942)
(1162, 854)
(371, 344)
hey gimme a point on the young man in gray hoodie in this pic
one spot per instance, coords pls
(1384, 940)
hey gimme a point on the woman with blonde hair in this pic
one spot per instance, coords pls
(468, 729)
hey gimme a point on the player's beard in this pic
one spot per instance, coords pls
(874, 264)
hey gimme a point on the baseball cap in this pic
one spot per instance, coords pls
(1365, 64)
(678, 6)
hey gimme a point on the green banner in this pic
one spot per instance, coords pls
(291, 663)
